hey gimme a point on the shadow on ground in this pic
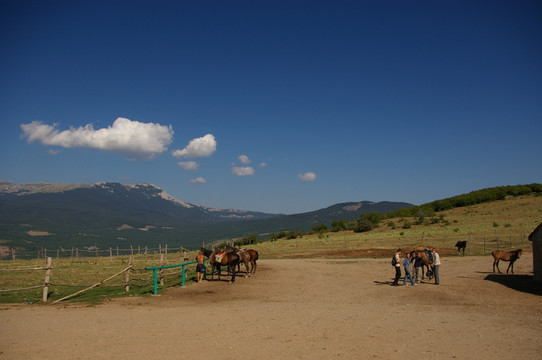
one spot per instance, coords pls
(523, 283)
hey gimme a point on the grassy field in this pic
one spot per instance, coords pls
(71, 275)
(501, 224)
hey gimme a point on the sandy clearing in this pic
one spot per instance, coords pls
(298, 309)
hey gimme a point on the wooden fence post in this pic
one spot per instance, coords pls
(470, 241)
(47, 277)
(161, 270)
(111, 254)
(127, 275)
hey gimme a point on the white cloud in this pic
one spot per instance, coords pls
(198, 180)
(244, 159)
(188, 165)
(200, 147)
(124, 136)
(309, 176)
(242, 171)
(53, 152)
(263, 164)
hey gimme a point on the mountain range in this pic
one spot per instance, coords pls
(104, 215)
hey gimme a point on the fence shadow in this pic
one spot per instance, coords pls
(523, 283)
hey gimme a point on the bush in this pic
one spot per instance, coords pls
(338, 225)
(319, 229)
(363, 225)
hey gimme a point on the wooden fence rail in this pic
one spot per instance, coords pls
(129, 279)
(75, 253)
(45, 285)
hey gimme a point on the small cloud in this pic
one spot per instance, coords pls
(198, 180)
(123, 136)
(242, 170)
(263, 164)
(309, 176)
(53, 152)
(244, 159)
(188, 165)
(204, 146)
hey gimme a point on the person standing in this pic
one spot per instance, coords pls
(436, 266)
(200, 267)
(397, 266)
(418, 267)
(408, 275)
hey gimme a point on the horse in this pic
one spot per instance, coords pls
(254, 256)
(511, 256)
(461, 245)
(206, 252)
(427, 261)
(246, 258)
(219, 258)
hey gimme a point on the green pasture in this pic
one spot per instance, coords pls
(71, 275)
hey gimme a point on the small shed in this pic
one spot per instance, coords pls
(536, 238)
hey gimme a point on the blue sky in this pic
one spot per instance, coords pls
(273, 106)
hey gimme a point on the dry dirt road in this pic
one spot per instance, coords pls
(298, 309)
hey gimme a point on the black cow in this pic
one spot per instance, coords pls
(461, 245)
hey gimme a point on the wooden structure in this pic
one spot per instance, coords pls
(536, 238)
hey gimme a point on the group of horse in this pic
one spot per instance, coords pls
(426, 258)
(232, 258)
(498, 255)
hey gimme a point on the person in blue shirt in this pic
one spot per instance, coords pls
(406, 264)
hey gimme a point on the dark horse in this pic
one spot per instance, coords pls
(511, 256)
(461, 245)
(219, 258)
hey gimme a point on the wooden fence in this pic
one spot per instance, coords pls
(76, 253)
(130, 278)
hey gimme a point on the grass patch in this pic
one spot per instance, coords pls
(69, 276)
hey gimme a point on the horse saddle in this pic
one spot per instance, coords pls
(218, 257)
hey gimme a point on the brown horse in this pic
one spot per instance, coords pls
(511, 256)
(245, 258)
(254, 256)
(423, 253)
(219, 258)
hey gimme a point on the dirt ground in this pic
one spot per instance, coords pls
(298, 309)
